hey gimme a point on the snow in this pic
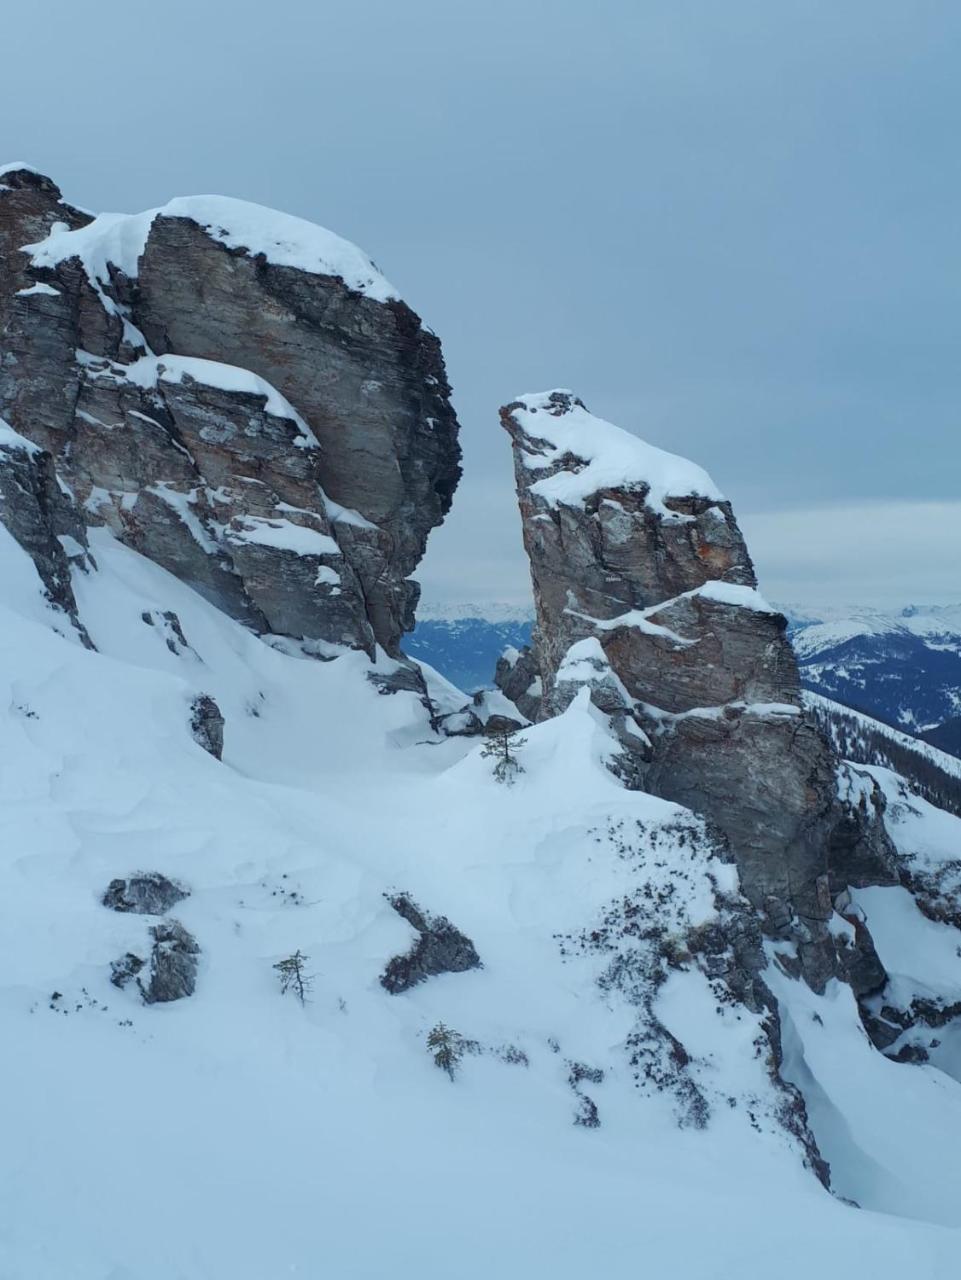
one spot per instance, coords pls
(585, 662)
(734, 594)
(10, 439)
(148, 370)
(611, 458)
(283, 535)
(38, 290)
(182, 504)
(947, 763)
(883, 1126)
(119, 240)
(920, 955)
(923, 834)
(729, 593)
(18, 166)
(825, 629)
(237, 1134)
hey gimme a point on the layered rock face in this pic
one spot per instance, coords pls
(237, 394)
(645, 592)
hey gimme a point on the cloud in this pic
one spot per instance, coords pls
(875, 553)
(880, 553)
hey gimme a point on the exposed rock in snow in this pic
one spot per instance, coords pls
(518, 677)
(173, 964)
(440, 948)
(207, 724)
(125, 969)
(201, 434)
(148, 893)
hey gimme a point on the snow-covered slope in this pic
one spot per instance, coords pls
(237, 1134)
(933, 774)
(903, 667)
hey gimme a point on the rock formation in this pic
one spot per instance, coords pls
(148, 893)
(42, 518)
(645, 592)
(207, 725)
(439, 948)
(173, 964)
(237, 394)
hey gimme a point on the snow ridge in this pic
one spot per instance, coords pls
(118, 240)
(613, 458)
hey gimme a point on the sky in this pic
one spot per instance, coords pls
(731, 226)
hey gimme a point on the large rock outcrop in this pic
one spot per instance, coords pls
(646, 594)
(236, 393)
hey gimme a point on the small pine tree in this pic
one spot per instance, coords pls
(500, 744)
(447, 1046)
(294, 976)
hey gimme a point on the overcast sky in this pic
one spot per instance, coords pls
(731, 226)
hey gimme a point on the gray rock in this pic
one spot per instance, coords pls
(148, 894)
(44, 520)
(440, 949)
(207, 725)
(381, 411)
(519, 679)
(216, 480)
(126, 968)
(173, 964)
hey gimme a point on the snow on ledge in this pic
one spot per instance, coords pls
(119, 239)
(613, 458)
(146, 372)
(12, 440)
(732, 593)
(283, 535)
(19, 166)
(35, 289)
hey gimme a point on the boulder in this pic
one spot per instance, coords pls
(148, 893)
(173, 964)
(207, 725)
(440, 948)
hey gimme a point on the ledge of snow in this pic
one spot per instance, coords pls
(613, 458)
(10, 439)
(733, 593)
(730, 593)
(35, 289)
(283, 535)
(19, 166)
(146, 372)
(119, 239)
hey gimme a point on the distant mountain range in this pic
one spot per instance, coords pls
(902, 667)
(464, 641)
